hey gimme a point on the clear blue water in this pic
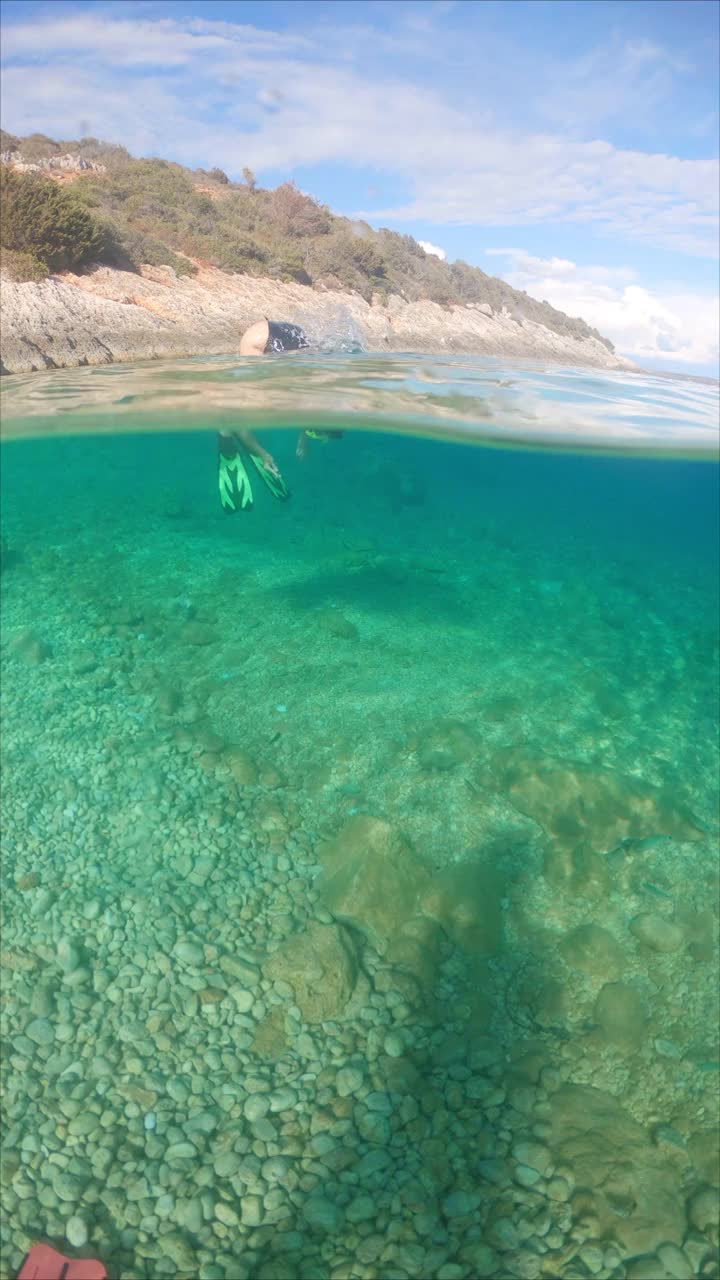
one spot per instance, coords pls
(360, 874)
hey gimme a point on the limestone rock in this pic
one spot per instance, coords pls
(197, 633)
(580, 871)
(415, 948)
(704, 1149)
(636, 1190)
(443, 744)
(371, 878)
(584, 804)
(322, 1215)
(704, 1209)
(333, 622)
(620, 1015)
(109, 315)
(241, 765)
(320, 965)
(593, 950)
(656, 932)
(465, 900)
(29, 646)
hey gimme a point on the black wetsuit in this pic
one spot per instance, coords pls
(284, 337)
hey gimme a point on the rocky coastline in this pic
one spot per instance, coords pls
(107, 316)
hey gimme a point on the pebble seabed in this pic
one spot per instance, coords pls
(530, 1092)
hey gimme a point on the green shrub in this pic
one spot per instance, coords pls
(128, 249)
(287, 262)
(182, 267)
(241, 255)
(41, 218)
(295, 214)
(38, 147)
(219, 175)
(22, 267)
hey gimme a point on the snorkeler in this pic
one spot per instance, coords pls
(236, 448)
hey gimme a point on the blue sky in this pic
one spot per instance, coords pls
(569, 147)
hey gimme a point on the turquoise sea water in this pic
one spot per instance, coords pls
(360, 871)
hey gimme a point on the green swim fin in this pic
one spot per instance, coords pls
(275, 483)
(233, 479)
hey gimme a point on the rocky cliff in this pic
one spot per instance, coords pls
(106, 316)
(51, 165)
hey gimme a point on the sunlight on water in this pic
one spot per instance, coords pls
(360, 875)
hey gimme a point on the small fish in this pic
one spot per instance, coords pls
(656, 890)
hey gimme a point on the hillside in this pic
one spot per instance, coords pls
(159, 213)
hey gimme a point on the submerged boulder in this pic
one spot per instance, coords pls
(620, 1015)
(580, 803)
(320, 964)
(594, 951)
(375, 882)
(465, 899)
(371, 878)
(635, 1189)
(444, 744)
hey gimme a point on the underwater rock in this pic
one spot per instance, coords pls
(197, 633)
(371, 878)
(700, 929)
(656, 932)
(68, 955)
(593, 950)
(647, 1267)
(703, 1148)
(270, 1040)
(84, 665)
(443, 744)
(125, 615)
(415, 947)
(704, 1209)
(30, 880)
(322, 1215)
(320, 965)
(579, 803)
(168, 700)
(636, 1191)
(29, 646)
(465, 899)
(675, 1261)
(336, 625)
(620, 1015)
(241, 765)
(271, 777)
(548, 1000)
(579, 871)
(502, 708)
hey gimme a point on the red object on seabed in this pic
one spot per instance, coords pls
(44, 1263)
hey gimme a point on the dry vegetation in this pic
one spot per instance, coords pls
(157, 212)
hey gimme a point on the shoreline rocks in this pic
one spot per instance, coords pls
(108, 316)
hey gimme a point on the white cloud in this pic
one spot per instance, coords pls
(433, 249)
(667, 326)
(232, 94)
(615, 80)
